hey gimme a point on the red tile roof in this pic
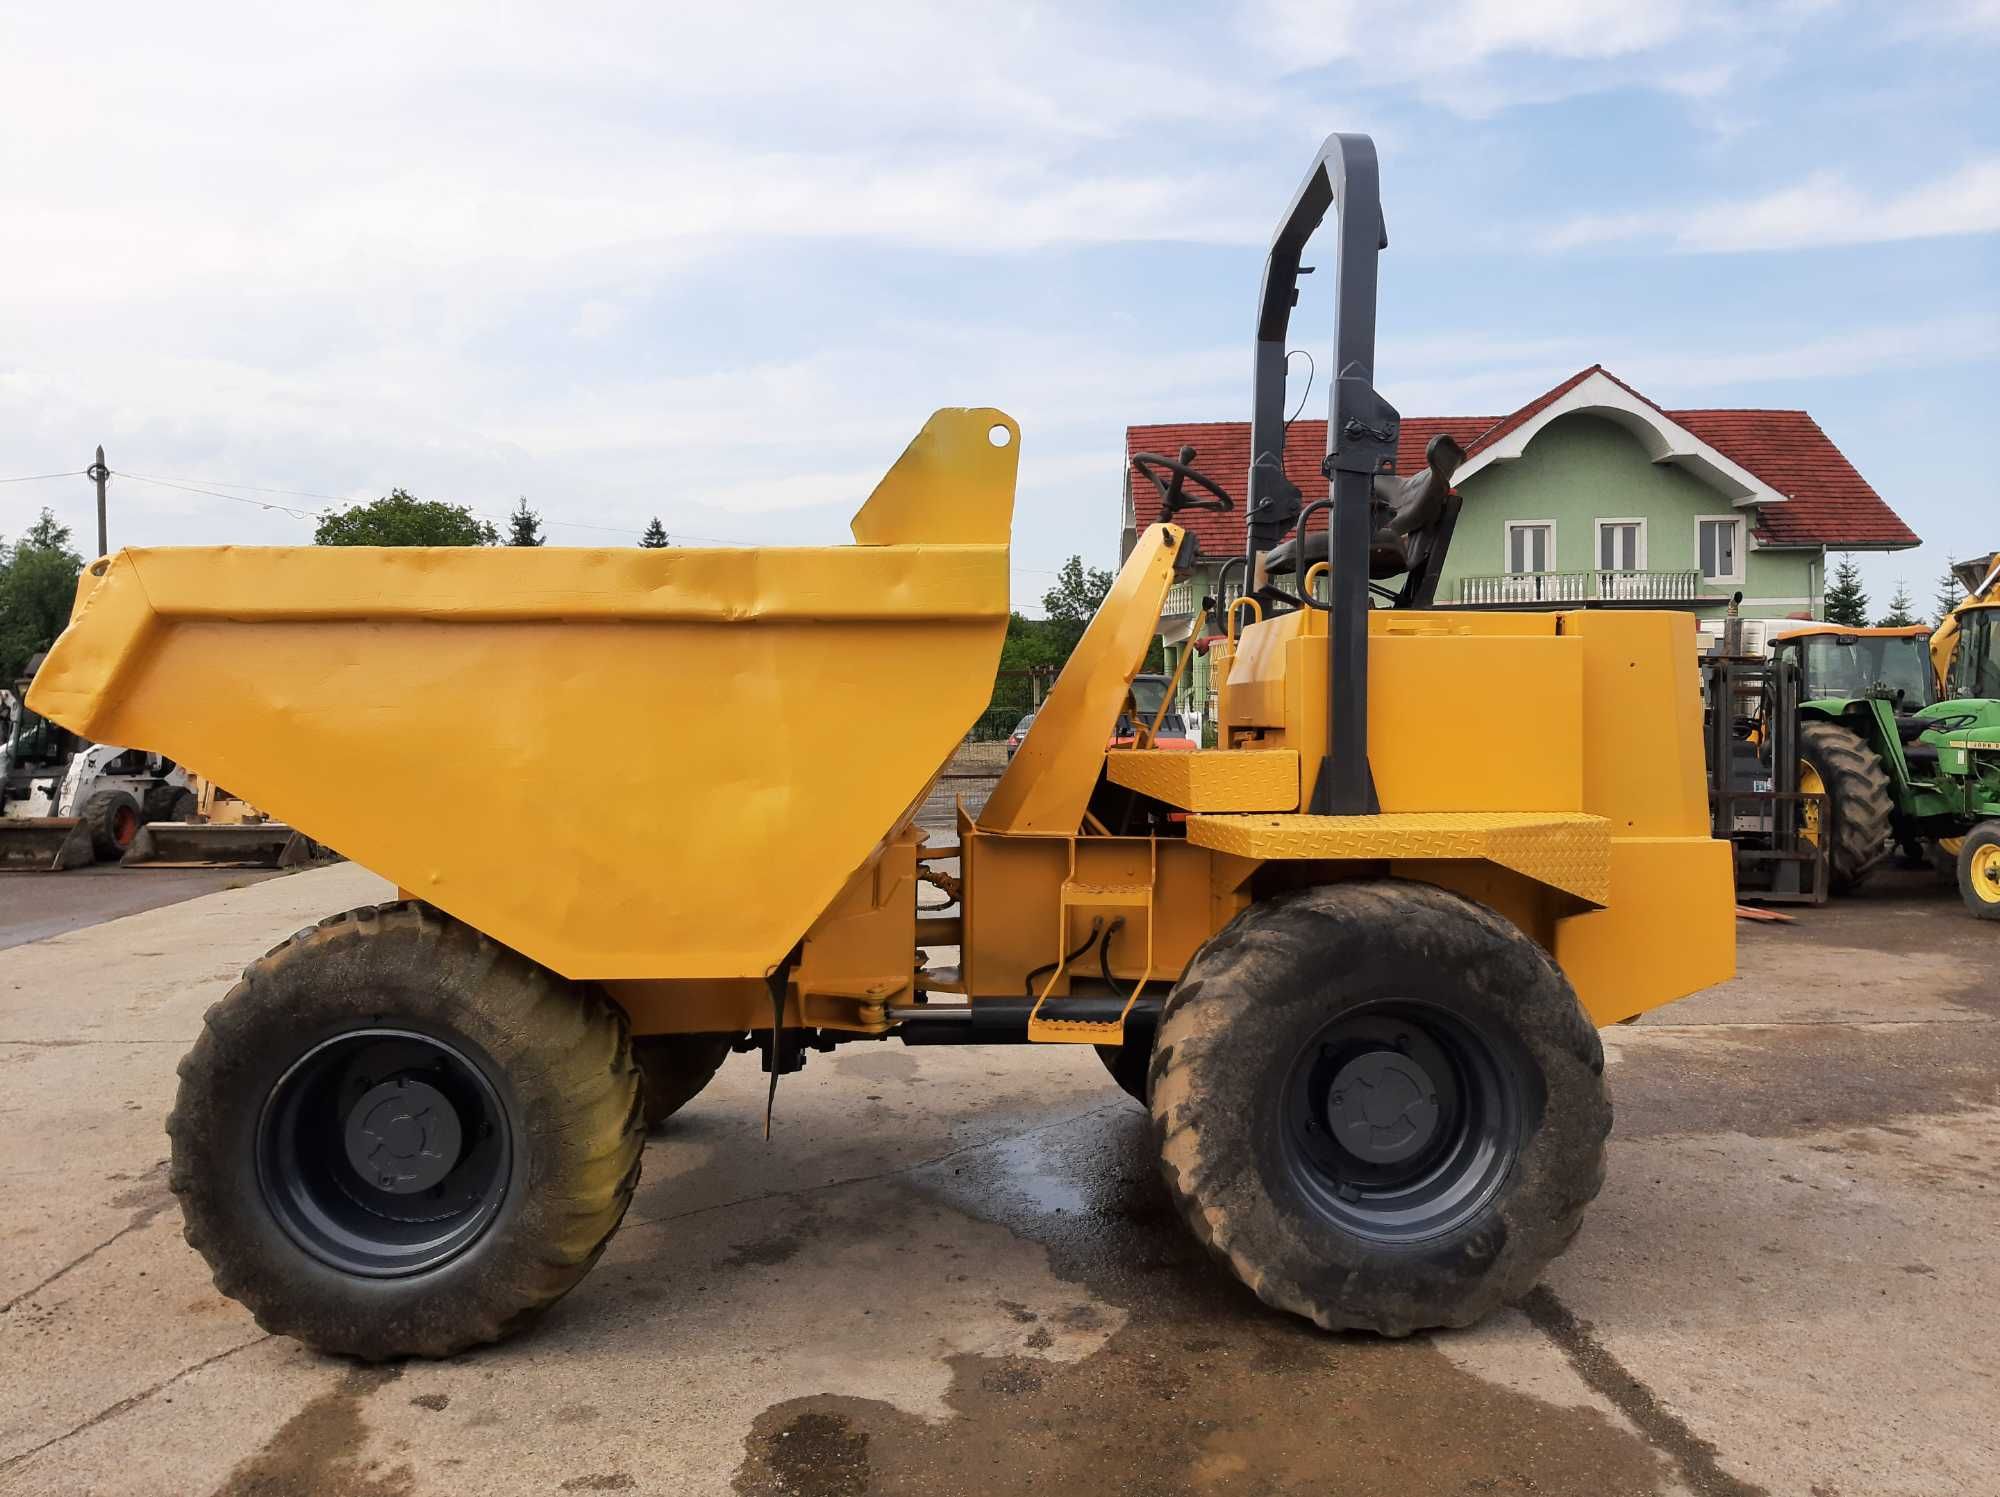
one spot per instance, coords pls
(1829, 503)
(1222, 451)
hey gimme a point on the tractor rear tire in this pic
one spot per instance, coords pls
(674, 1069)
(1380, 1104)
(112, 818)
(1858, 804)
(395, 1137)
(1979, 870)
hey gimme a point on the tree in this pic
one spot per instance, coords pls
(1900, 603)
(1036, 649)
(1031, 651)
(524, 526)
(402, 519)
(1846, 602)
(1950, 592)
(655, 535)
(1069, 606)
(37, 586)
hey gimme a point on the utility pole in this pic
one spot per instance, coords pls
(97, 473)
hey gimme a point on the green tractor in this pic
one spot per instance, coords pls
(1903, 760)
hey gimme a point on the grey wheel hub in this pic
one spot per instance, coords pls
(1382, 1107)
(403, 1136)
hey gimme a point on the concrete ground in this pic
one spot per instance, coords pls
(956, 1272)
(35, 906)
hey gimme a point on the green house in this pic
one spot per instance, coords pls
(1588, 496)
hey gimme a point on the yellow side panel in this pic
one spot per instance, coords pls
(1015, 893)
(1670, 929)
(1566, 852)
(1210, 779)
(1643, 762)
(624, 763)
(1475, 723)
(1047, 785)
(1466, 712)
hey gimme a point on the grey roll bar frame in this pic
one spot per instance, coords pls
(1361, 433)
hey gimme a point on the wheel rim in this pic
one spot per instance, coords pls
(124, 826)
(1810, 784)
(1986, 873)
(384, 1152)
(1402, 1120)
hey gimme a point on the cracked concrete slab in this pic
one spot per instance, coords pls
(955, 1271)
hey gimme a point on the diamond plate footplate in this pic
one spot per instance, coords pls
(1210, 779)
(1564, 850)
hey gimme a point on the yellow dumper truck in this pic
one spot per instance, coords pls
(1353, 958)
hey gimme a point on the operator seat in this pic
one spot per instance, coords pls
(1405, 511)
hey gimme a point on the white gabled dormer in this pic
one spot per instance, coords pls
(1602, 394)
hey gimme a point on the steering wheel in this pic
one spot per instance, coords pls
(1172, 497)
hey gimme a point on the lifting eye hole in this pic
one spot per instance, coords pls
(999, 435)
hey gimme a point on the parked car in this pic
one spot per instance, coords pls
(1148, 692)
(1016, 738)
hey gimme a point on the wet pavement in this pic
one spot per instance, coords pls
(956, 1271)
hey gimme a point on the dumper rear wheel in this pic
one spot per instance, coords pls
(675, 1068)
(1380, 1104)
(1127, 1064)
(395, 1137)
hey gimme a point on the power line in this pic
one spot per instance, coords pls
(38, 477)
(188, 488)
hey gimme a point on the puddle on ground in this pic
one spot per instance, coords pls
(317, 1452)
(1202, 1389)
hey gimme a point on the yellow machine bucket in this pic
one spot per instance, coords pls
(624, 763)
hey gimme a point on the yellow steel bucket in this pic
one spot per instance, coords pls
(625, 763)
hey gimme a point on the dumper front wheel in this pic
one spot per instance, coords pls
(1380, 1104)
(395, 1137)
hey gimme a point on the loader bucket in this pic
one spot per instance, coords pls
(45, 844)
(625, 763)
(214, 844)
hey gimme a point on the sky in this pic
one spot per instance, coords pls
(717, 264)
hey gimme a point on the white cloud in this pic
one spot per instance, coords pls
(427, 244)
(1478, 57)
(1826, 209)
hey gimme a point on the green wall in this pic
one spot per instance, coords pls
(1580, 469)
(1577, 470)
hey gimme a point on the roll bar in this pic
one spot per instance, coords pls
(1361, 432)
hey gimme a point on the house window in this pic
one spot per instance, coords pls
(1720, 541)
(1531, 546)
(1621, 545)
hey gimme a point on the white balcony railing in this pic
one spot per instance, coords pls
(1581, 587)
